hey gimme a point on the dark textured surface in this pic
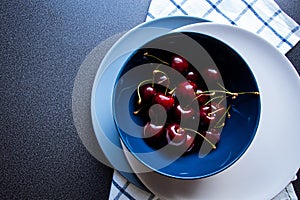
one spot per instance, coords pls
(43, 43)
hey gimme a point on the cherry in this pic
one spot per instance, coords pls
(206, 117)
(211, 73)
(175, 135)
(186, 89)
(152, 130)
(157, 114)
(213, 135)
(202, 97)
(189, 143)
(179, 63)
(192, 75)
(166, 101)
(211, 113)
(181, 112)
(147, 92)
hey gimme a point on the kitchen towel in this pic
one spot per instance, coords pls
(263, 17)
(122, 189)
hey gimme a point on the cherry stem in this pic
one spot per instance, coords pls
(220, 126)
(207, 140)
(138, 90)
(228, 115)
(235, 94)
(222, 100)
(153, 74)
(221, 86)
(223, 116)
(172, 91)
(212, 99)
(209, 114)
(152, 56)
(159, 71)
(137, 111)
(204, 94)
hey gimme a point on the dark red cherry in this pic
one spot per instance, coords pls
(213, 135)
(218, 109)
(147, 92)
(211, 74)
(157, 114)
(179, 63)
(192, 75)
(211, 113)
(186, 89)
(153, 132)
(181, 112)
(189, 143)
(175, 135)
(206, 115)
(202, 97)
(166, 101)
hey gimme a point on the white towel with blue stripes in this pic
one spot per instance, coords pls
(263, 17)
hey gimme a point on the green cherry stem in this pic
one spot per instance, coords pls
(172, 91)
(138, 89)
(152, 56)
(159, 71)
(137, 111)
(209, 114)
(214, 98)
(203, 94)
(223, 116)
(207, 140)
(221, 86)
(235, 94)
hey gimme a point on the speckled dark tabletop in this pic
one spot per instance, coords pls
(43, 44)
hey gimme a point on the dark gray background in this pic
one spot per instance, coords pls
(42, 46)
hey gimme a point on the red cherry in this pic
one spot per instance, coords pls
(211, 113)
(206, 117)
(193, 75)
(186, 89)
(219, 109)
(166, 101)
(213, 135)
(189, 142)
(175, 135)
(147, 92)
(157, 114)
(179, 63)
(211, 73)
(183, 112)
(153, 132)
(202, 97)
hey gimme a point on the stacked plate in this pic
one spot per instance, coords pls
(270, 161)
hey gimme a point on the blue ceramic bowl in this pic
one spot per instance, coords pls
(200, 50)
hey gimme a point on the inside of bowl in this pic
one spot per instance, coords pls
(200, 51)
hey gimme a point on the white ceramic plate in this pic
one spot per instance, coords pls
(273, 158)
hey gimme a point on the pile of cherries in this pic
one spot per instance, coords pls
(184, 115)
